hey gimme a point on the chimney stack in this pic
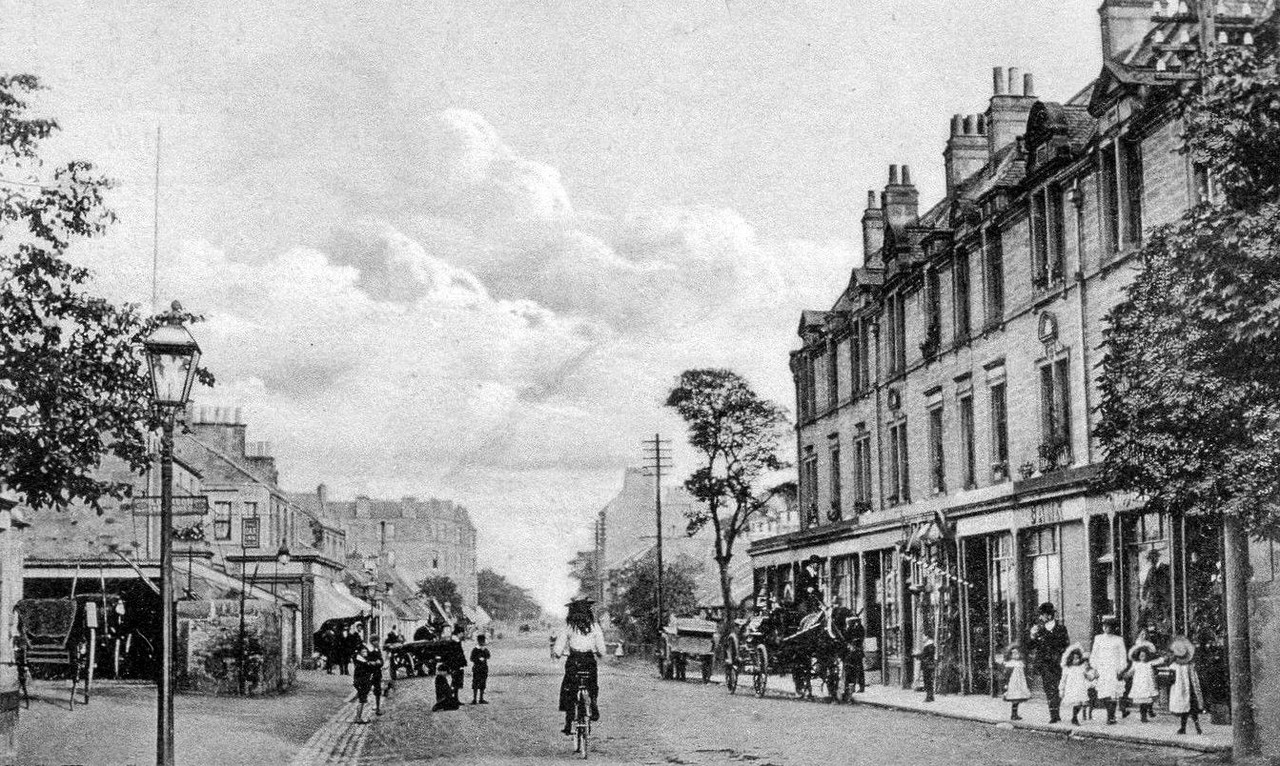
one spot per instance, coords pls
(966, 150)
(901, 200)
(1006, 116)
(872, 229)
(1124, 23)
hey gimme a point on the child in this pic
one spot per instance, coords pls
(367, 676)
(445, 698)
(1142, 675)
(1074, 686)
(1015, 684)
(479, 671)
(1185, 697)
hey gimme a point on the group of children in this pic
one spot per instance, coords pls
(1087, 679)
(369, 662)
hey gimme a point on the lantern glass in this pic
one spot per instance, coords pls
(172, 357)
(282, 555)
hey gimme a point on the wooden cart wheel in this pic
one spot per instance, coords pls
(731, 677)
(760, 679)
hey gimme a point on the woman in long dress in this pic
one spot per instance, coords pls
(1110, 659)
(582, 642)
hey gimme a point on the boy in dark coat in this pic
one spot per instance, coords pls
(446, 699)
(928, 657)
(479, 671)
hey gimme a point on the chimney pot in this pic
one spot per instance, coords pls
(1013, 81)
(997, 80)
(957, 125)
(238, 420)
(969, 126)
(1028, 85)
(893, 175)
(906, 175)
(871, 200)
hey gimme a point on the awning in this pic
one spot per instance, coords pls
(210, 584)
(332, 600)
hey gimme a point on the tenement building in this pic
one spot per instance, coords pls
(946, 400)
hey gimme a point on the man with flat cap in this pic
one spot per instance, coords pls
(1048, 641)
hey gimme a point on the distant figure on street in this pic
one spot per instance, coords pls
(1015, 682)
(857, 634)
(1048, 641)
(367, 676)
(928, 661)
(479, 671)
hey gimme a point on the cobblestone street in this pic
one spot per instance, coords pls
(653, 722)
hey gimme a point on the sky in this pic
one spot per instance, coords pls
(463, 248)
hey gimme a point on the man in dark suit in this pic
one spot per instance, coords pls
(1048, 641)
(857, 635)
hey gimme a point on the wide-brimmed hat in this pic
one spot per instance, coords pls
(1109, 619)
(1150, 647)
(1182, 649)
(1073, 649)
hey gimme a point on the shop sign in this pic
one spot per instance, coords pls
(1049, 513)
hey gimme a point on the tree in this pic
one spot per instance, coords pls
(633, 609)
(1190, 408)
(738, 435)
(504, 600)
(442, 589)
(73, 380)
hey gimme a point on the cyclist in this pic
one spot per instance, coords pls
(582, 641)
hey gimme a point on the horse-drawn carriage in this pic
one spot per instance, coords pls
(787, 641)
(58, 637)
(419, 657)
(684, 639)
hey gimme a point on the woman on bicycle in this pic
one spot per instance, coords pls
(583, 641)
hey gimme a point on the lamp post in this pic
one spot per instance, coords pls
(282, 560)
(172, 356)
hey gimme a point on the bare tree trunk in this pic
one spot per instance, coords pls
(1235, 559)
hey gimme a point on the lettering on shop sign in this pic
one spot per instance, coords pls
(1046, 514)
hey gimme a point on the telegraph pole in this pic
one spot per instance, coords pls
(657, 457)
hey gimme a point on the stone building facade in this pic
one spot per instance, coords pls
(946, 400)
(425, 538)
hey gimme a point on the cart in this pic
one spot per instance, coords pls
(418, 657)
(57, 636)
(683, 639)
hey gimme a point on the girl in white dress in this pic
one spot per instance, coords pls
(1110, 660)
(1143, 673)
(1015, 685)
(1074, 687)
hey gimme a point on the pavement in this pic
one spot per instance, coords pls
(118, 726)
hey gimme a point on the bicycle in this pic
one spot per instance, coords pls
(581, 714)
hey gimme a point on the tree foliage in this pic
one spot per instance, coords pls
(73, 379)
(504, 600)
(633, 610)
(1191, 381)
(738, 435)
(442, 589)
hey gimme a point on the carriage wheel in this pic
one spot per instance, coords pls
(760, 679)
(731, 677)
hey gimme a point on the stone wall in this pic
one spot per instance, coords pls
(209, 647)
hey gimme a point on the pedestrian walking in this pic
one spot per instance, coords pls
(1016, 690)
(1073, 687)
(857, 654)
(1185, 697)
(928, 662)
(1047, 642)
(1142, 676)
(1110, 660)
(479, 670)
(366, 675)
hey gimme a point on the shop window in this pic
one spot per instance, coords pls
(1043, 568)
(891, 603)
(968, 456)
(1003, 594)
(1150, 577)
(222, 520)
(937, 462)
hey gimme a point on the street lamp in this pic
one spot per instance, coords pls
(172, 356)
(282, 560)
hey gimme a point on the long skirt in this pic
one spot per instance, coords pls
(578, 662)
